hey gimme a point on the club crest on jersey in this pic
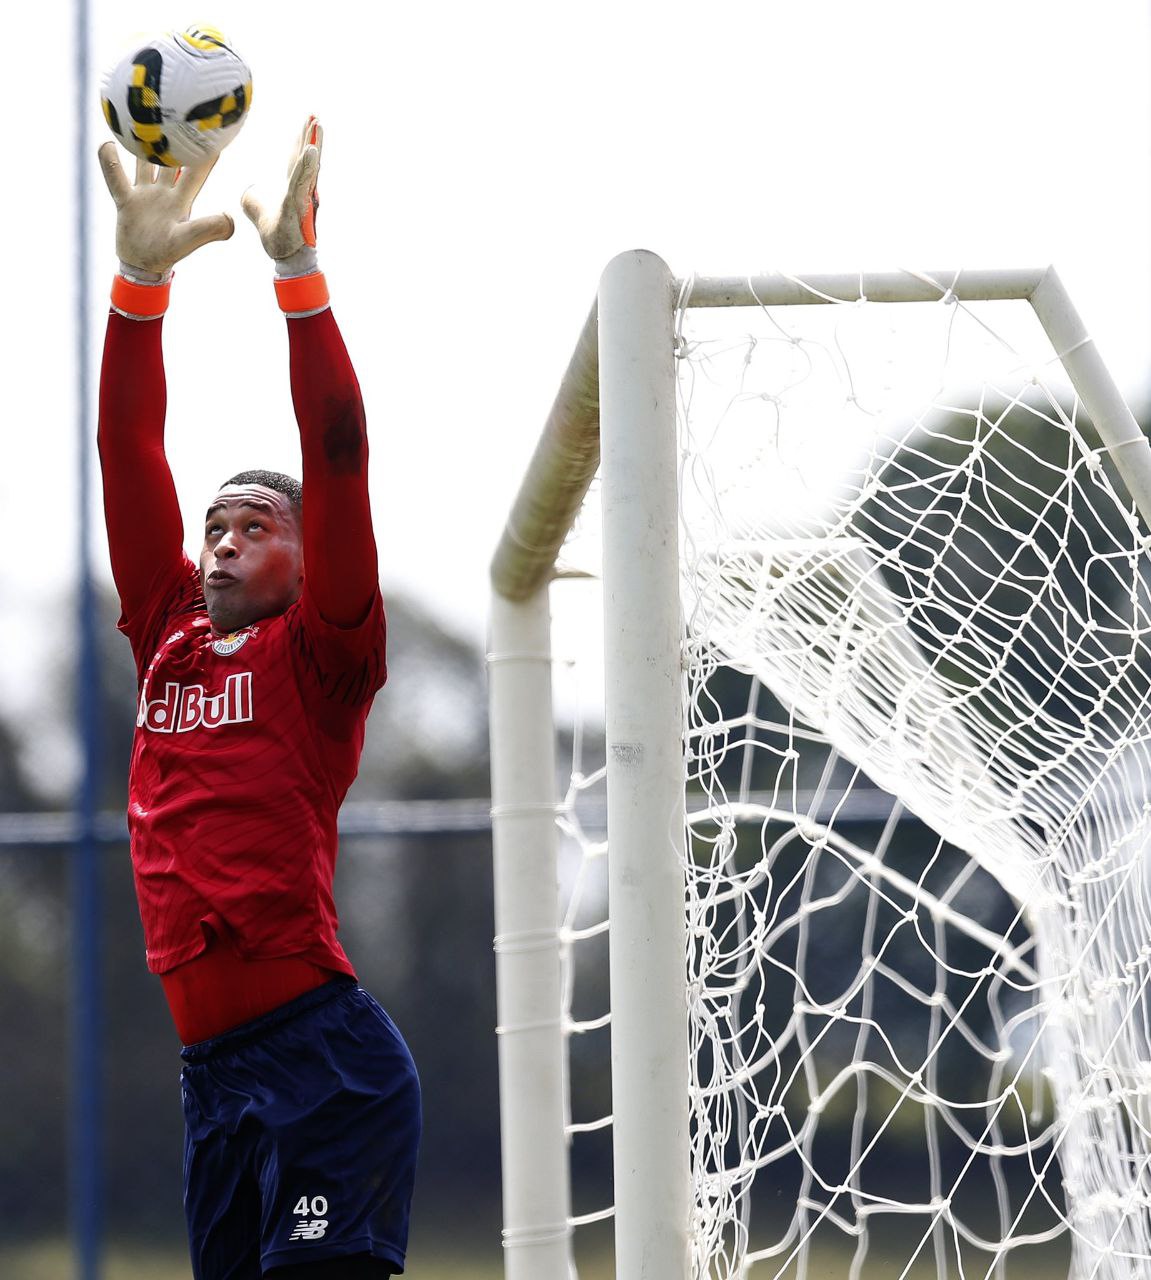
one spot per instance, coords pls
(186, 707)
(228, 644)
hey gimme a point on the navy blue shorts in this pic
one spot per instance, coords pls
(301, 1135)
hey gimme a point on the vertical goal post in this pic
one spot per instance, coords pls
(615, 414)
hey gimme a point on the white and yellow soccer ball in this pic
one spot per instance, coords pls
(178, 98)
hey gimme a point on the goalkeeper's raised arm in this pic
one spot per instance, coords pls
(154, 231)
(339, 547)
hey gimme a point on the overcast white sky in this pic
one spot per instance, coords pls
(481, 165)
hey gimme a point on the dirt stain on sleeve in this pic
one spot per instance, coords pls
(345, 437)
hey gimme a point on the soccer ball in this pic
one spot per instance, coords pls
(179, 98)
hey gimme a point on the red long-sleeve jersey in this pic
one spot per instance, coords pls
(245, 745)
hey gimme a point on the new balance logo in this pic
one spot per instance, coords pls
(187, 707)
(310, 1230)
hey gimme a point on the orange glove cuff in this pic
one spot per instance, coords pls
(302, 293)
(140, 301)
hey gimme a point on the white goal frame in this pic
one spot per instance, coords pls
(616, 412)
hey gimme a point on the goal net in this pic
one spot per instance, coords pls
(911, 642)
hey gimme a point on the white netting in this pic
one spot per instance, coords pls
(919, 793)
(577, 627)
(918, 797)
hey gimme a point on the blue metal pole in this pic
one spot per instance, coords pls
(86, 1155)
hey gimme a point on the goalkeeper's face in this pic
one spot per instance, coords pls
(252, 564)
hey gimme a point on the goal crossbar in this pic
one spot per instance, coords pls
(567, 454)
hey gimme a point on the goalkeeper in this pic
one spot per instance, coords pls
(256, 669)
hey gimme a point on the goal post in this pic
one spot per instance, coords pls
(645, 778)
(895, 687)
(630, 412)
(533, 1117)
(536, 1192)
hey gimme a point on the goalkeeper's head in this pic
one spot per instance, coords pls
(252, 564)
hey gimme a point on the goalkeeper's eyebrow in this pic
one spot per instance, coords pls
(255, 503)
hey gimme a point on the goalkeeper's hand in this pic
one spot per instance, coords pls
(153, 229)
(288, 229)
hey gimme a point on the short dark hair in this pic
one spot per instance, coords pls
(290, 487)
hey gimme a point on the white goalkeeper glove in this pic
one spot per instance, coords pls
(288, 228)
(153, 228)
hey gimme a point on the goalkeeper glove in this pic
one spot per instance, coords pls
(287, 230)
(153, 230)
